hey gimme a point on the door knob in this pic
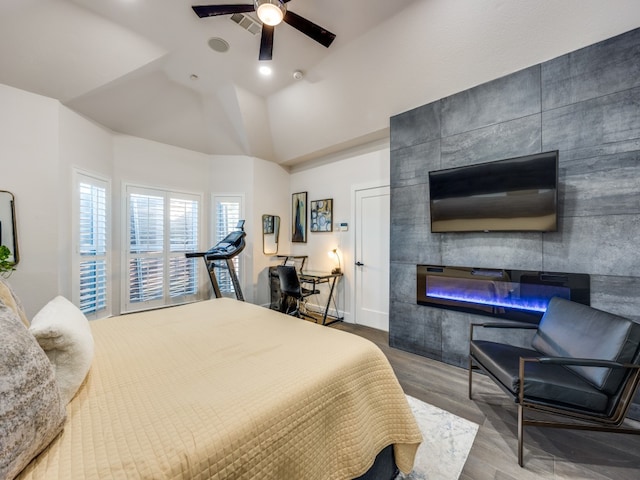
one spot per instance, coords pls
(359, 264)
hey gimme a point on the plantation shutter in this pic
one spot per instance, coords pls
(228, 211)
(91, 260)
(183, 238)
(163, 226)
(146, 245)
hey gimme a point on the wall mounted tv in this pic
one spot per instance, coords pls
(515, 194)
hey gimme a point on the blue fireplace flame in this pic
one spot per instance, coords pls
(521, 295)
(528, 304)
(494, 293)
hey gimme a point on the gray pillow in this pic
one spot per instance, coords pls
(32, 412)
(11, 300)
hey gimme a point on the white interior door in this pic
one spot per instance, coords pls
(371, 255)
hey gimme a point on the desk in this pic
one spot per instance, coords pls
(316, 278)
(294, 260)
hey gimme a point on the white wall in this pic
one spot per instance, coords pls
(86, 146)
(336, 178)
(29, 169)
(271, 196)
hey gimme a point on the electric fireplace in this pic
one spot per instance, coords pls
(520, 295)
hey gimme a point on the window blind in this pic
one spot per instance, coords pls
(163, 225)
(91, 272)
(183, 236)
(228, 211)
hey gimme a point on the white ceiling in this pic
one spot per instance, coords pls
(128, 64)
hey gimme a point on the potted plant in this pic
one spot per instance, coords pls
(6, 266)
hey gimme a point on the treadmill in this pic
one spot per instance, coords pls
(221, 255)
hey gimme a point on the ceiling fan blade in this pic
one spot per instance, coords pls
(214, 10)
(310, 29)
(266, 43)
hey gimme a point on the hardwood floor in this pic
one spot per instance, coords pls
(548, 453)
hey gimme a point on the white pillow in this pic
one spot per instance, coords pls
(64, 334)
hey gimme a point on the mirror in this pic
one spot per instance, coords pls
(8, 234)
(270, 232)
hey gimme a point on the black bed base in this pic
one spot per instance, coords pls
(384, 467)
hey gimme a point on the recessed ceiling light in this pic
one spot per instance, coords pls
(265, 70)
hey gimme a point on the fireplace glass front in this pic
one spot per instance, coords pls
(521, 295)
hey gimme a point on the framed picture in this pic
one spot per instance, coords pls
(267, 224)
(321, 215)
(299, 217)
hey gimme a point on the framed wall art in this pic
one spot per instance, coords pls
(267, 224)
(299, 217)
(321, 215)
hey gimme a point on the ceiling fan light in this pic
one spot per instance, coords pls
(270, 12)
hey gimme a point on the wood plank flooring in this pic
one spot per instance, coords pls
(548, 453)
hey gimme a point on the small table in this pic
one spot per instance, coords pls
(317, 278)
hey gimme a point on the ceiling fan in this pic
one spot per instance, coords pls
(271, 13)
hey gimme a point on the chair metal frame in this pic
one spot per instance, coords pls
(593, 422)
(293, 291)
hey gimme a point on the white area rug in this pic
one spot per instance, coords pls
(447, 440)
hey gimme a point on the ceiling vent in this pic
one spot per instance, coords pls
(218, 44)
(245, 21)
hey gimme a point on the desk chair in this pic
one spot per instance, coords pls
(290, 288)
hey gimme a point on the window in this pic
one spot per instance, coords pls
(162, 227)
(228, 210)
(91, 284)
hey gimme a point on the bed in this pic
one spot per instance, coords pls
(224, 389)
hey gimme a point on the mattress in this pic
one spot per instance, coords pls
(223, 389)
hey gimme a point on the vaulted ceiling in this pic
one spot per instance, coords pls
(145, 67)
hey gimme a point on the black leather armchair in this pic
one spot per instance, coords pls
(583, 364)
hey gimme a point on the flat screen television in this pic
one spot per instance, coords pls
(515, 194)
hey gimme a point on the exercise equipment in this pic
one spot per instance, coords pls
(221, 256)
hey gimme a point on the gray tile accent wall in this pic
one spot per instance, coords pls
(586, 104)
(601, 69)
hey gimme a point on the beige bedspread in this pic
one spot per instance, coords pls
(228, 390)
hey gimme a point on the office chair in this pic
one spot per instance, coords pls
(291, 289)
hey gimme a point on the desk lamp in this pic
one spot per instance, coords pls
(333, 253)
